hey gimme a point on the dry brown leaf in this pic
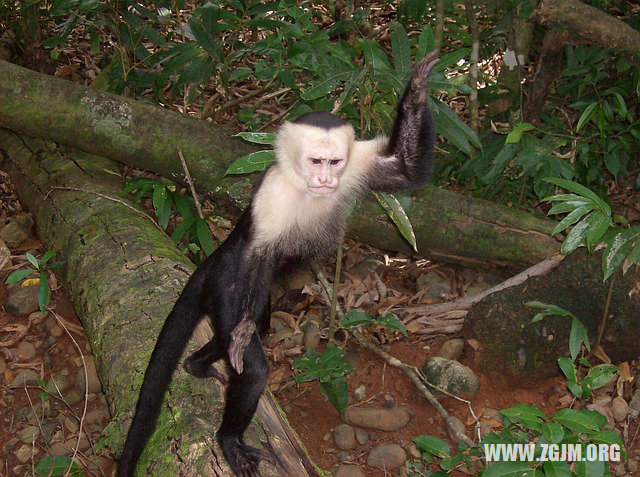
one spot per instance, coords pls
(599, 353)
(625, 372)
(475, 344)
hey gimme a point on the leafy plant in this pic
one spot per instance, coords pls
(330, 370)
(356, 317)
(56, 466)
(39, 268)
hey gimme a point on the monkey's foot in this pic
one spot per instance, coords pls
(419, 74)
(244, 460)
(240, 337)
(194, 369)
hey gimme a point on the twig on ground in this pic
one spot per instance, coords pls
(18, 337)
(190, 182)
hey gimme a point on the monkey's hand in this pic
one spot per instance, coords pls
(240, 337)
(418, 84)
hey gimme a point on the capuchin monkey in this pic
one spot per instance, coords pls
(297, 210)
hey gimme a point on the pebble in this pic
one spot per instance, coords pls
(634, 404)
(344, 437)
(3, 365)
(24, 453)
(37, 317)
(49, 342)
(312, 335)
(451, 376)
(326, 437)
(24, 376)
(451, 349)
(58, 383)
(359, 392)
(287, 408)
(343, 456)
(59, 449)
(387, 456)
(348, 470)
(22, 300)
(97, 416)
(57, 331)
(413, 451)
(92, 377)
(458, 426)
(362, 436)
(619, 408)
(73, 397)
(632, 466)
(378, 418)
(25, 350)
(29, 434)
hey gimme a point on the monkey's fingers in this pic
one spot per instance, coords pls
(422, 69)
(240, 338)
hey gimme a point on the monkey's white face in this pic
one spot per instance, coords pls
(322, 163)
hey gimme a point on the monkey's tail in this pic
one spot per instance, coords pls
(175, 334)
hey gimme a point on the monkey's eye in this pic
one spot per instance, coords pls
(335, 162)
(316, 161)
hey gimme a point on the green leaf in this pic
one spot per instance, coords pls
(607, 437)
(165, 214)
(256, 161)
(530, 416)
(556, 469)
(48, 255)
(258, 137)
(182, 228)
(397, 214)
(575, 238)
(355, 317)
(337, 391)
(587, 468)
(572, 218)
(391, 321)
(553, 432)
(509, 469)
(159, 198)
(204, 237)
(374, 55)
(577, 421)
(400, 47)
(586, 115)
(619, 245)
(577, 336)
(599, 223)
(19, 275)
(432, 445)
(204, 37)
(633, 257)
(43, 292)
(600, 375)
(32, 260)
(55, 466)
(568, 369)
(515, 135)
(324, 86)
(451, 463)
(582, 191)
(326, 367)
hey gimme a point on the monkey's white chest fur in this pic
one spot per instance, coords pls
(292, 220)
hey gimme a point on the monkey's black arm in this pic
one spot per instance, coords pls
(406, 162)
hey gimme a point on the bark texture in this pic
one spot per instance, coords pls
(124, 274)
(449, 227)
(590, 24)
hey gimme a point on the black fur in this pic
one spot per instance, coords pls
(235, 282)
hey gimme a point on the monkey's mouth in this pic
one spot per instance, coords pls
(321, 191)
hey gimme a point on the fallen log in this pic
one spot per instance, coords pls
(449, 227)
(123, 275)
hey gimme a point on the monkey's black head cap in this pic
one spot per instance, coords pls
(321, 119)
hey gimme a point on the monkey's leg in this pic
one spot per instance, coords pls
(264, 321)
(200, 363)
(243, 393)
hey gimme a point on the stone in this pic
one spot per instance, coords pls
(281, 335)
(343, 456)
(57, 331)
(73, 397)
(25, 350)
(632, 466)
(92, 377)
(457, 425)
(37, 317)
(619, 408)
(366, 266)
(58, 383)
(17, 231)
(326, 437)
(29, 434)
(432, 285)
(59, 449)
(634, 404)
(344, 437)
(451, 349)
(387, 456)
(378, 418)
(451, 376)
(311, 335)
(21, 300)
(24, 453)
(413, 451)
(24, 376)
(3, 365)
(5, 254)
(362, 436)
(359, 392)
(348, 470)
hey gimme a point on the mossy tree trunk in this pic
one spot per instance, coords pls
(123, 275)
(449, 227)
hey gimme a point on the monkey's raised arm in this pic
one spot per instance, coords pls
(406, 161)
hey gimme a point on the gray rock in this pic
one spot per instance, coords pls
(634, 404)
(25, 350)
(432, 285)
(29, 434)
(326, 437)
(24, 453)
(48, 428)
(362, 436)
(58, 382)
(49, 342)
(378, 418)
(59, 449)
(277, 323)
(451, 349)
(413, 451)
(343, 456)
(359, 392)
(451, 376)
(299, 276)
(4, 254)
(387, 456)
(348, 470)
(92, 377)
(632, 466)
(619, 408)
(24, 376)
(275, 338)
(17, 231)
(73, 397)
(311, 335)
(366, 266)
(344, 437)
(457, 425)
(3, 365)
(22, 300)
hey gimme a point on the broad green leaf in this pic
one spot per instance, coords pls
(578, 421)
(204, 37)
(607, 437)
(451, 463)
(577, 336)
(399, 217)
(572, 218)
(556, 469)
(19, 275)
(355, 317)
(400, 47)
(391, 321)
(515, 135)
(600, 375)
(619, 246)
(337, 391)
(589, 469)
(32, 260)
(159, 198)
(440, 109)
(586, 115)
(568, 369)
(182, 228)
(324, 86)
(432, 445)
(530, 416)
(48, 255)
(165, 214)
(204, 237)
(575, 238)
(582, 191)
(256, 161)
(509, 469)
(564, 207)
(55, 466)
(258, 137)
(425, 42)
(599, 223)
(374, 55)
(553, 432)
(43, 292)
(633, 258)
